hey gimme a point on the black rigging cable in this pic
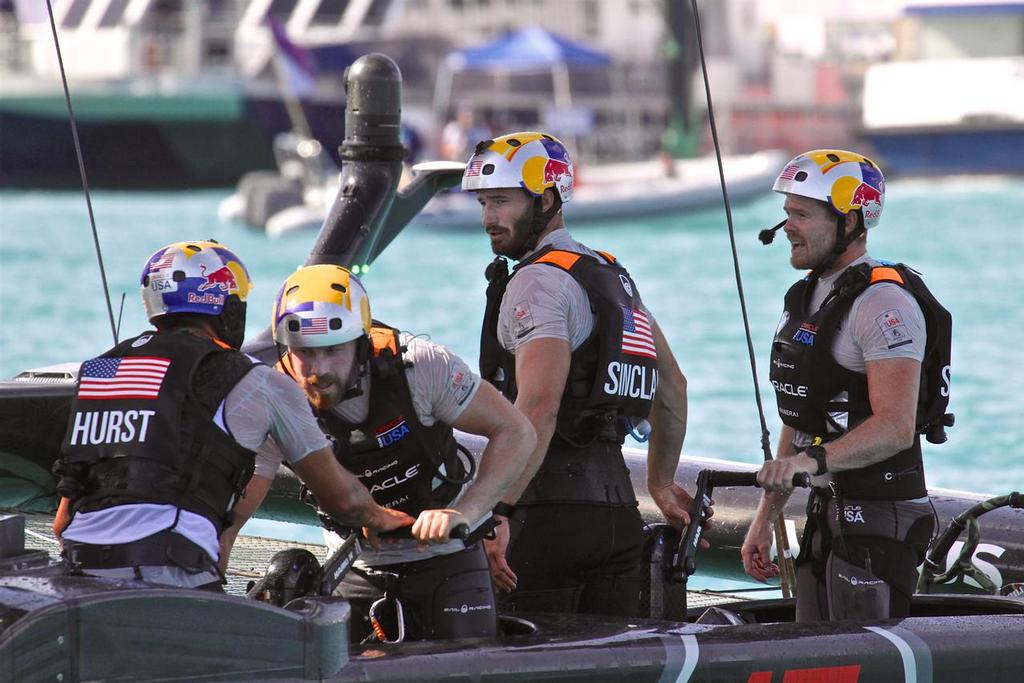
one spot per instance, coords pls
(81, 169)
(765, 447)
(788, 576)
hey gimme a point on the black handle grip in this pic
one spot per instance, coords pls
(460, 532)
(724, 478)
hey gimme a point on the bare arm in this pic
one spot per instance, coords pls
(62, 518)
(340, 494)
(511, 441)
(255, 492)
(893, 384)
(542, 367)
(756, 549)
(668, 429)
(892, 391)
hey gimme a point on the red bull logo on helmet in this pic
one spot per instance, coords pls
(559, 174)
(558, 169)
(221, 278)
(554, 170)
(869, 199)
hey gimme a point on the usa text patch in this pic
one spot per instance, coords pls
(894, 329)
(522, 320)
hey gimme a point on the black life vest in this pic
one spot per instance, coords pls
(405, 464)
(142, 428)
(613, 375)
(818, 396)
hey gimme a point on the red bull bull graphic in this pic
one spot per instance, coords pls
(865, 195)
(869, 195)
(554, 170)
(558, 170)
(221, 278)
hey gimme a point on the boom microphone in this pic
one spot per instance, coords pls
(768, 234)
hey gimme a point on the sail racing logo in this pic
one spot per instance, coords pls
(391, 432)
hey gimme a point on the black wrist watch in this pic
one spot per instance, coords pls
(818, 453)
(503, 509)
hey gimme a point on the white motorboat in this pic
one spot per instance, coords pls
(609, 192)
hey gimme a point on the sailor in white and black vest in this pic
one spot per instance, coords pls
(567, 337)
(164, 427)
(860, 367)
(389, 402)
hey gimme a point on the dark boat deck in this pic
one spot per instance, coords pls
(251, 554)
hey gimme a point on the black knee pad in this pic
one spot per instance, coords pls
(464, 607)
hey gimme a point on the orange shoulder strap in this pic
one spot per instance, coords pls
(886, 274)
(383, 338)
(563, 259)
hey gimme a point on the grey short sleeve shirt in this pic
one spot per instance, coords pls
(544, 302)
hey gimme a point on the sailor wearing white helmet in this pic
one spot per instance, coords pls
(389, 402)
(164, 426)
(567, 337)
(860, 367)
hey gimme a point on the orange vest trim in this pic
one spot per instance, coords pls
(884, 274)
(607, 257)
(563, 259)
(383, 338)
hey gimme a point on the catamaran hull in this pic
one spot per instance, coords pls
(78, 628)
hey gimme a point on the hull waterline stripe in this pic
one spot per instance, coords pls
(679, 670)
(917, 658)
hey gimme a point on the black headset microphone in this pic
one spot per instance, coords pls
(768, 234)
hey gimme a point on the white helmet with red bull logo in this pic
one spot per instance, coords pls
(529, 161)
(321, 305)
(846, 181)
(192, 277)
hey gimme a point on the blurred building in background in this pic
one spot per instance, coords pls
(193, 86)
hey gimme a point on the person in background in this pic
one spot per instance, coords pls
(164, 427)
(460, 134)
(567, 337)
(389, 402)
(860, 366)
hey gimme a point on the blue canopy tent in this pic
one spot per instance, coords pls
(527, 50)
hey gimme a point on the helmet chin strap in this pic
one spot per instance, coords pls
(842, 242)
(363, 363)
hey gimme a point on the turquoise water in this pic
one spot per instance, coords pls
(964, 235)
